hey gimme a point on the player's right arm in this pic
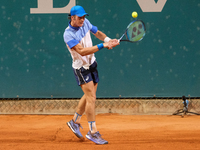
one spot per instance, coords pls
(89, 50)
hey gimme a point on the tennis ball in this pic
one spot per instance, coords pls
(134, 14)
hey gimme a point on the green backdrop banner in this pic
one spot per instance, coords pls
(35, 63)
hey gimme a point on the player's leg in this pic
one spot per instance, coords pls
(81, 107)
(74, 124)
(80, 110)
(90, 95)
(81, 76)
(89, 90)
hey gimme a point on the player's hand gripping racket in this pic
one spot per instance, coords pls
(135, 32)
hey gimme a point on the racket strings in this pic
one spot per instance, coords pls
(136, 31)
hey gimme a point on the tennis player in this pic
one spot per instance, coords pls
(79, 43)
(185, 104)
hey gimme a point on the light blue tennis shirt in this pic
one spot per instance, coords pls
(187, 103)
(80, 35)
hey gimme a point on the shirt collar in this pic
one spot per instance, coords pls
(75, 28)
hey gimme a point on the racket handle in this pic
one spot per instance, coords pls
(120, 38)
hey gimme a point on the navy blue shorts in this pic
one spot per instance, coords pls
(86, 75)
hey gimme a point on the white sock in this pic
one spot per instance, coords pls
(92, 126)
(77, 118)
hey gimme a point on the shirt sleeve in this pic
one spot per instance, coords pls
(92, 28)
(69, 40)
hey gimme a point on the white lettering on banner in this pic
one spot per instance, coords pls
(46, 7)
(151, 5)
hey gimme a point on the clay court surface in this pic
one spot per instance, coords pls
(123, 132)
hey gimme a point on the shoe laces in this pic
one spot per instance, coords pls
(77, 125)
(97, 135)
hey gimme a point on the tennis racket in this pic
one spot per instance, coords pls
(135, 31)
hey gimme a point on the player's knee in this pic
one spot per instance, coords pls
(91, 98)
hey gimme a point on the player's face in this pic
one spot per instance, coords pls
(77, 21)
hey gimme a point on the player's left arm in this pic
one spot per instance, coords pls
(100, 35)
